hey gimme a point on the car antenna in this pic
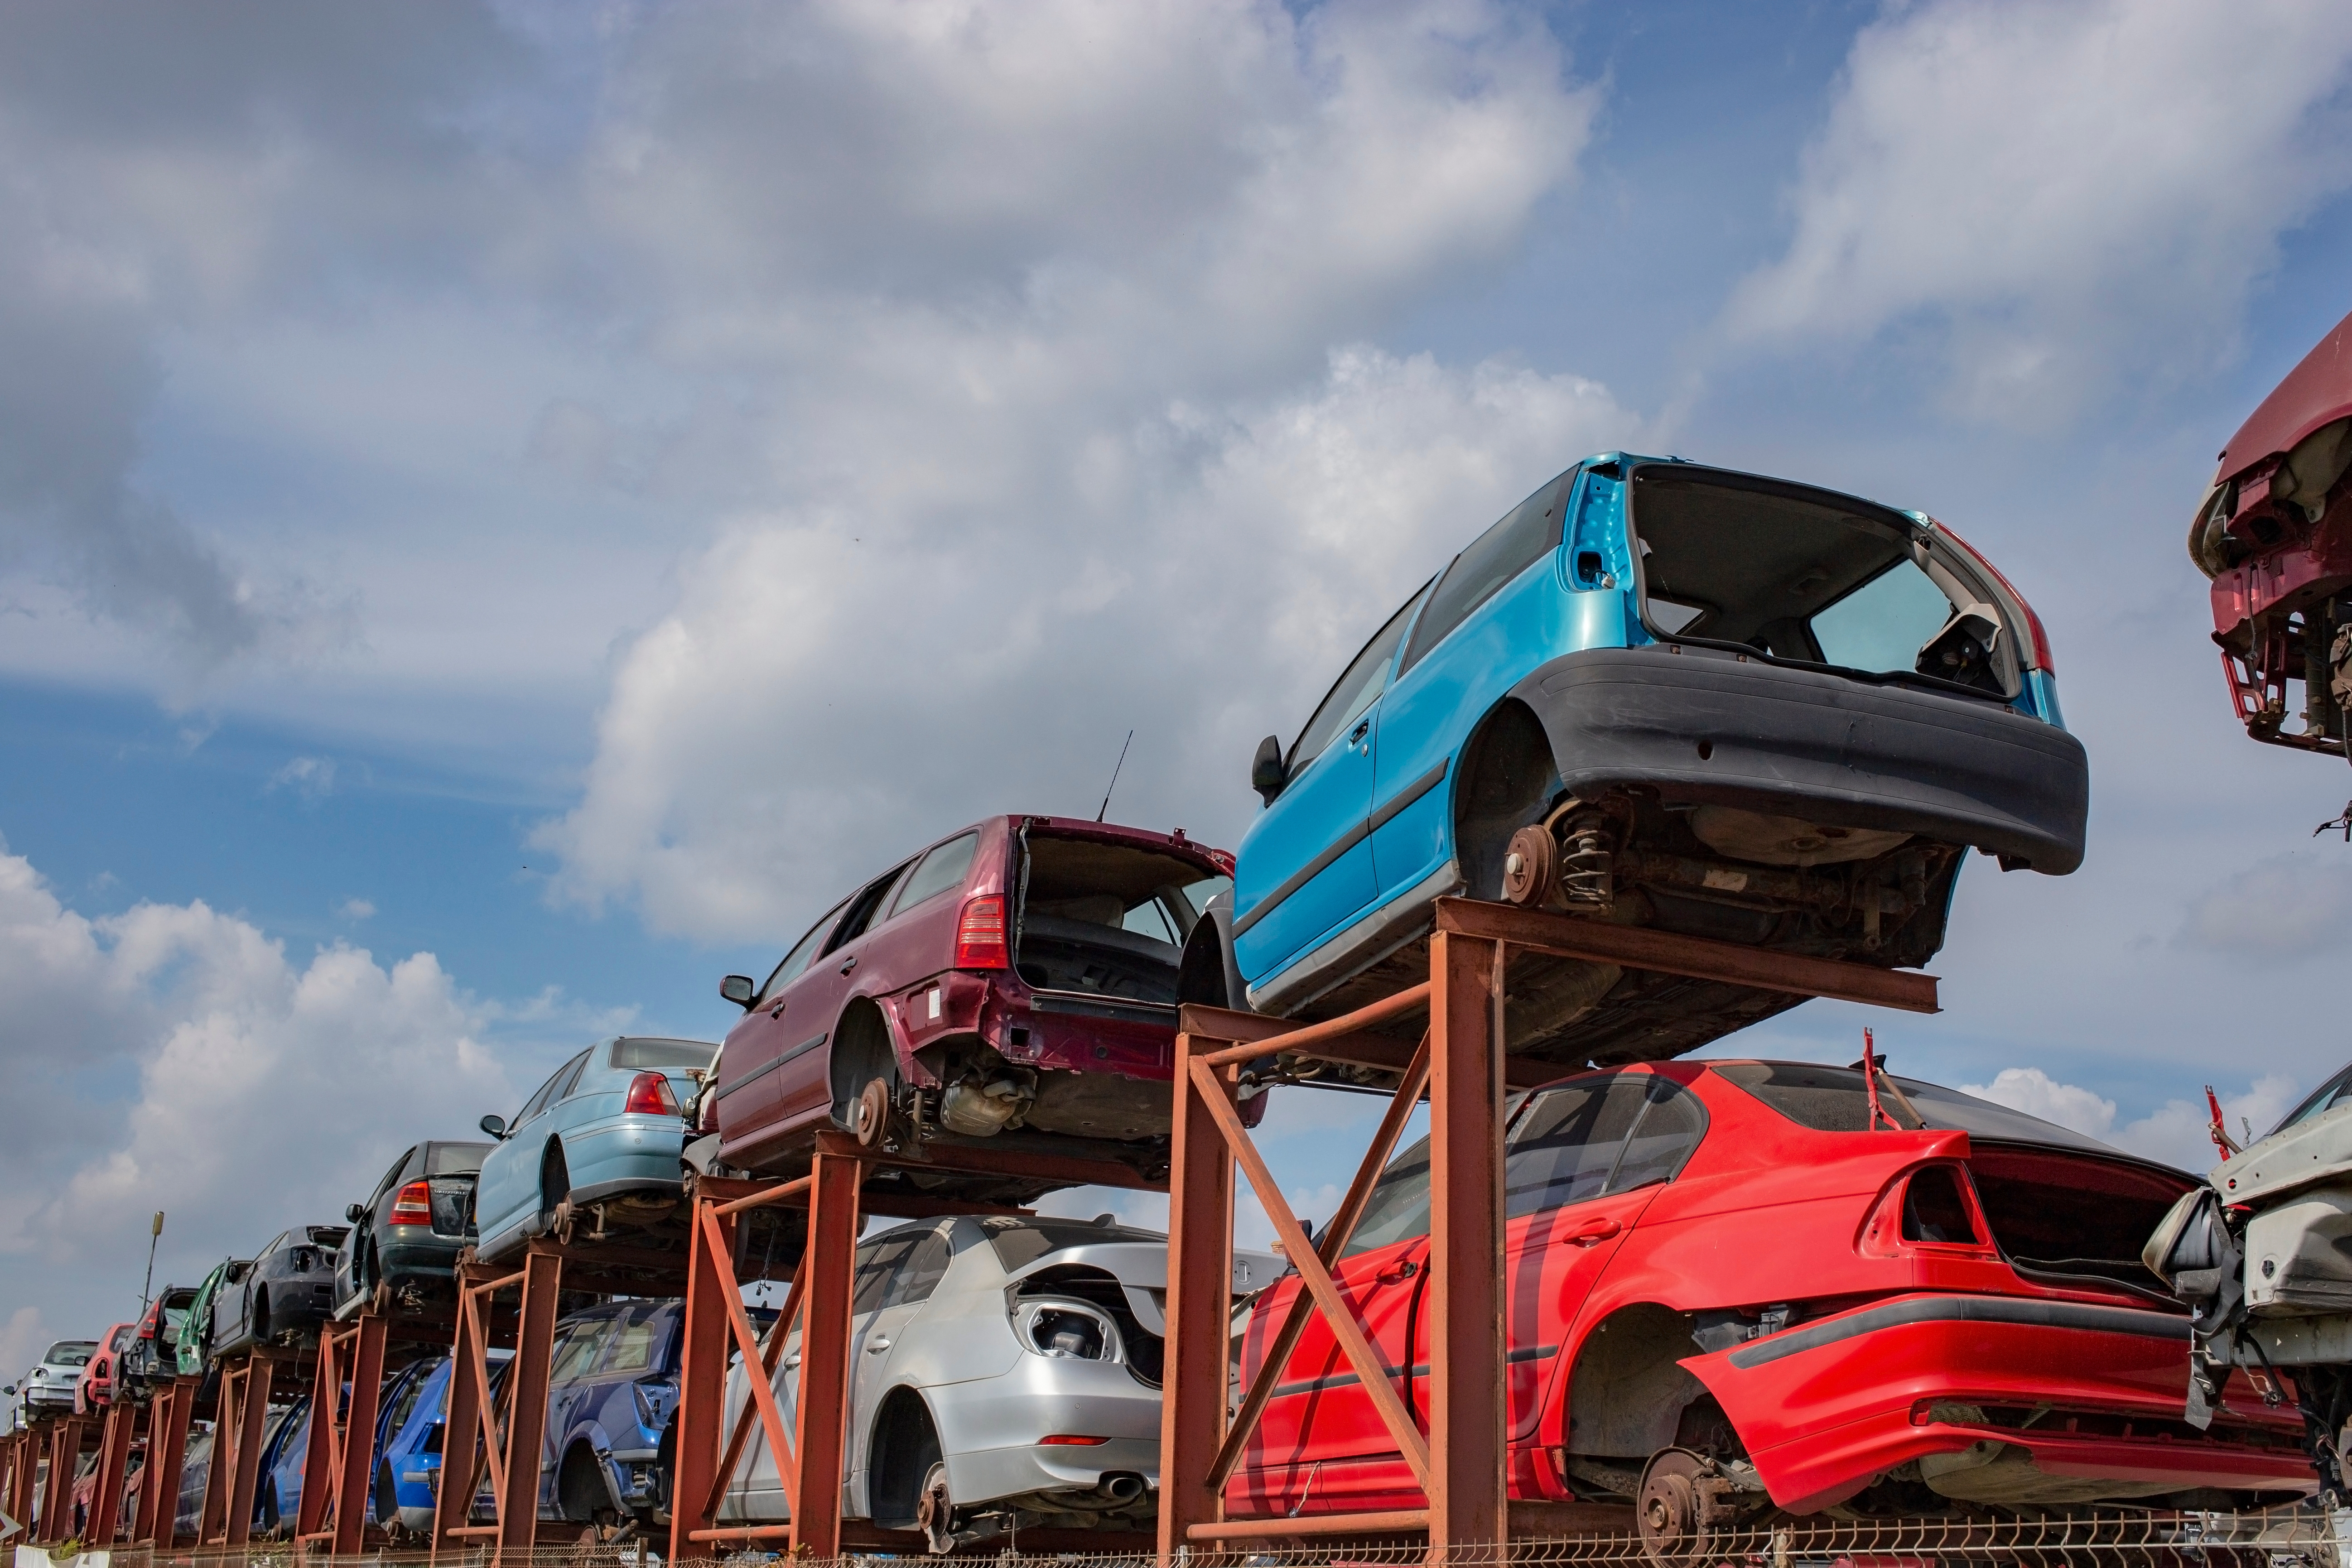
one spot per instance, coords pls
(1114, 775)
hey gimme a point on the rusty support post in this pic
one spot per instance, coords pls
(334, 1511)
(57, 1496)
(822, 1414)
(1465, 1245)
(167, 1453)
(527, 1377)
(702, 1380)
(252, 1427)
(212, 1514)
(1200, 1286)
(104, 1526)
(461, 1433)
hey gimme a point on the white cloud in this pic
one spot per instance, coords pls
(2076, 191)
(835, 682)
(311, 778)
(356, 909)
(182, 1061)
(2175, 1132)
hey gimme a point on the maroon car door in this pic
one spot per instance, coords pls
(812, 1002)
(754, 1054)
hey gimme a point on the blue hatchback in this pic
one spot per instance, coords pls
(598, 1142)
(612, 1388)
(1664, 695)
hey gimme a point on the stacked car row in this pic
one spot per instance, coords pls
(1653, 694)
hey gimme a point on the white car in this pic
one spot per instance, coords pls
(48, 1388)
(1004, 1373)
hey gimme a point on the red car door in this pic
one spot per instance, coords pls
(1584, 1161)
(1321, 1445)
(812, 1004)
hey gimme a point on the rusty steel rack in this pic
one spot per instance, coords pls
(809, 1459)
(1461, 1065)
(361, 1352)
(234, 1475)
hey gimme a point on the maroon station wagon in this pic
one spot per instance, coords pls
(1013, 985)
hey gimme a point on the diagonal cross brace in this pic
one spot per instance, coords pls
(1336, 1236)
(771, 1353)
(1345, 1327)
(763, 1396)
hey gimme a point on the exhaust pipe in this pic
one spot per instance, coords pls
(1121, 1486)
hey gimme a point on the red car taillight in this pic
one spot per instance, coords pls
(413, 1206)
(980, 934)
(649, 1096)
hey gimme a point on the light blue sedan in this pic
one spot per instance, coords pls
(598, 1144)
(1657, 694)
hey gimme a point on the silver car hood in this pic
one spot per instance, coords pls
(1141, 1270)
(2318, 1150)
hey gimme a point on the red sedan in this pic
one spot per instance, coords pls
(1741, 1286)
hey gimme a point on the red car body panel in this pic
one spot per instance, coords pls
(1768, 1211)
(94, 1390)
(776, 1084)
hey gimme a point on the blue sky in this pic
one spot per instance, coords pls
(506, 511)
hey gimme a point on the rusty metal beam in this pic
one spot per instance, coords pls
(1199, 1292)
(57, 1491)
(527, 1379)
(252, 1426)
(697, 1483)
(167, 1453)
(1381, 1051)
(1695, 958)
(104, 1526)
(1377, 1378)
(771, 1354)
(1316, 1038)
(822, 1413)
(336, 1466)
(463, 1423)
(978, 1159)
(1336, 1236)
(1467, 1307)
(1391, 1522)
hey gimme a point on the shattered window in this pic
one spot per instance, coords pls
(1882, 625)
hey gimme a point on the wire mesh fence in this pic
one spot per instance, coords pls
(2284, 1537)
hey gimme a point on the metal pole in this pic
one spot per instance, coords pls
(147, 1288)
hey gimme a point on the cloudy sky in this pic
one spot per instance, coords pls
(506, 510)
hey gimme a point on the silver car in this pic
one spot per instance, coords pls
(1004, 1373)
(48, 1388)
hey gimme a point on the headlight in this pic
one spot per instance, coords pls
(1077, 1330)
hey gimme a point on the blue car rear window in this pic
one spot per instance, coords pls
(651, 1055)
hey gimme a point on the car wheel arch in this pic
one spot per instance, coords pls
(896, 1462)
(552, 1158)
(1506, 777)
(1622, 1391)
(865, 1046)
(582, 1481)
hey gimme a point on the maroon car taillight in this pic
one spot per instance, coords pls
(413, 1206)
(980, 934)
(649, 1096)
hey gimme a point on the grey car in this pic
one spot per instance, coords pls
(49, 1386)
(1004, 1372)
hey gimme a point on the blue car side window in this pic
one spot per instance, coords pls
(1355, 690)
(1526, 533)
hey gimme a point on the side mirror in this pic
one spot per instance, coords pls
(740, 990)
(1266, 776)
(355, 1212)
(495, 1126)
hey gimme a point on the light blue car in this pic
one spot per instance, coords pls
(598, 1145)
(1659, 694)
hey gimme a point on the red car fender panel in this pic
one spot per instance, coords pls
(1826, 1406)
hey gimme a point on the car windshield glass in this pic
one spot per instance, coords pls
(1800, 574)
(1019, 1242)
(73, 1352)
(632, 1055)
(2335, 1092)
(1107, 917)
(1834, 1100)
(1353, 691)
(455, 1159)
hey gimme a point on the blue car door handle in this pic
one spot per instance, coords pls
(1356, 736)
